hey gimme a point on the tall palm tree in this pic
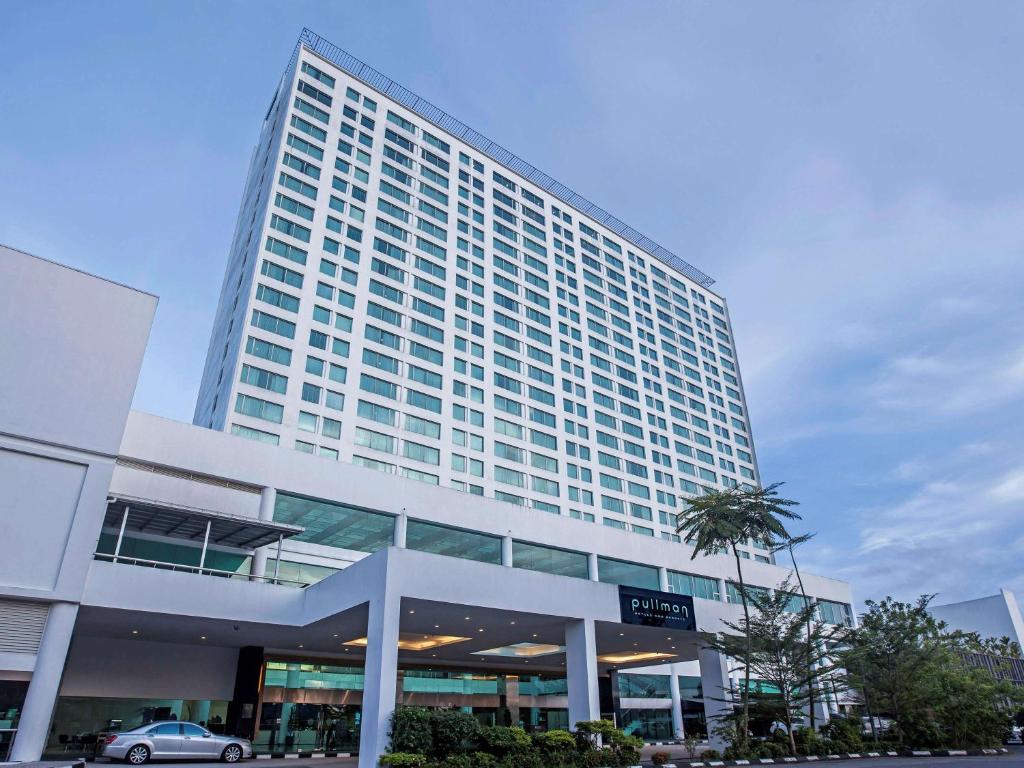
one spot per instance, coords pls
(789, 545)
(727, 519)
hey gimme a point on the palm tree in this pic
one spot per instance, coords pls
(727, 519)
(789, 544)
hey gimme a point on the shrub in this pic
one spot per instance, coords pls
(500, 741)
(556, 748)
(660, 758)
(411, 730)
(402, 760)
(456, 761)
(710, 754)
(845, 733)
(483, 760)
(771, 749)
(453, 731)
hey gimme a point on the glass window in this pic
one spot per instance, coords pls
(629, 574)
(335, 525)
(644, 686)
(695, 586)
(442, 540)
(560, 562)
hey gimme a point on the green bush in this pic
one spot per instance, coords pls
(710, 754)
(845, 733)
(411, 731)
(456, 761)
(403, 760)
(660, 758)
(771, 749)
(499, 740)
(453, 731)
(557, 749)
(483, 760)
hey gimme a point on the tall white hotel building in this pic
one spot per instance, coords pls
(404, 294)
(508, 392)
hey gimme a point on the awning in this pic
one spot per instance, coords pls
(183, 522)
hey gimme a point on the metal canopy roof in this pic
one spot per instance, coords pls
(181, 522)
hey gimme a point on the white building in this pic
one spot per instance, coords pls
(995, 617)
(155, 568)
(405, 295)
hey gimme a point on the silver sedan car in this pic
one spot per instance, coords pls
(174, 740)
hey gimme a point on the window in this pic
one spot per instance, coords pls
(613, 571)
(260, 409)
(561, 562)
(335, 525)
(453, 542)
(695, 586)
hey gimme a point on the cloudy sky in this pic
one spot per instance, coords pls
(852, 174)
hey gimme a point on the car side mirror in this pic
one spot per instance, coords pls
(207, 735)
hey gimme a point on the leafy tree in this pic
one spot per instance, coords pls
(787, 651)
(895, 656)
(725, 520)
(789, 545)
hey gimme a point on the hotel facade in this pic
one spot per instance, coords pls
(449, 411)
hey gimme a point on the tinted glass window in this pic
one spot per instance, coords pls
(442, 540)
(335, 525)
(192, 730)
(167, 729)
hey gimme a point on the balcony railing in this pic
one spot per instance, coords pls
(204, 571)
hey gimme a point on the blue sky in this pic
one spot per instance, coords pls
(850, 173)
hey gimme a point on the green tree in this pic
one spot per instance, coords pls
(789, 545)
(724, 520)
(788, 651)
(896, 655)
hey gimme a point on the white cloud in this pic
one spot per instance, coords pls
(1010, 488)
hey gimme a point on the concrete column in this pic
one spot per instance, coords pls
(42, 690)
(506, 551)
(581, 670)
(381, 679)
(401, 530)
(592, 567)
(723, 595)
(717, 691)
(677, 702)
(663, 579)
(268, 498)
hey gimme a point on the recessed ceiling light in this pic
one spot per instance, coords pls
(511, 622)
(412, 611)
(335, 634)
(622, 634)
(302, 646)
(467, 618)
(481, 629)
(437, 626)
(135, 631)
(202, 637)
(534, 634)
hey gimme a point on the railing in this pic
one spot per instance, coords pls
(204, 571)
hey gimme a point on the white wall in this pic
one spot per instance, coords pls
(996, 616)
(75, 343)
(137, 669)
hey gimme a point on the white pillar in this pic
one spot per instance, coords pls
(581, 670)
(506, 551)
(717, 691)
(401, 529)
(268, 498)
(380, 686)
(677, 702)
(592, 567)
(663, 579)
(42, 690)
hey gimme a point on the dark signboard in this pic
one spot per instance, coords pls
(656, 609)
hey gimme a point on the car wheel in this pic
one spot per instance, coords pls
(232, 753)
(137, 755)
